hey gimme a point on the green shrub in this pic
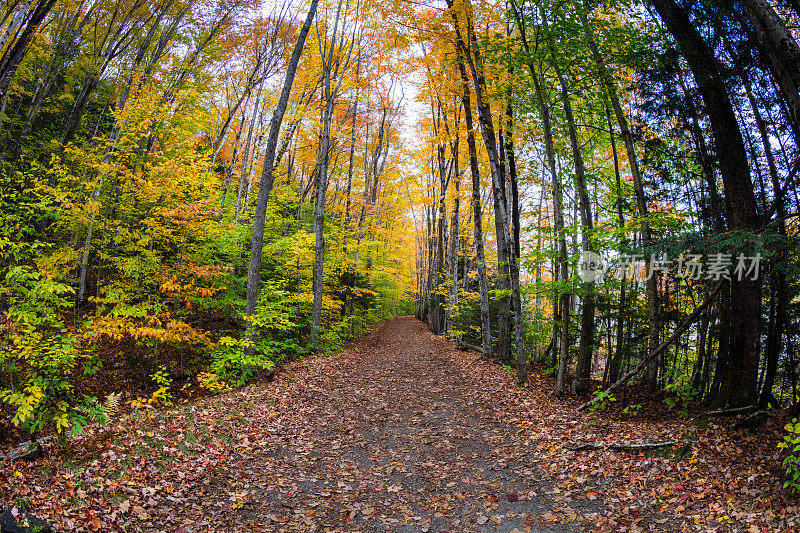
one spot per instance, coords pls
(233, 366)
(604, 399)
(682, 394)
(41, 351)
(791, 463)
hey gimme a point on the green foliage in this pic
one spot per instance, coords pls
(48, 393)
(334, 337)
(40, 351)
(96, 411)
(162, 380)
(682, 394)
(632, 409)
(791, 463)
(604, 399)
(162, 394)
(233, 366)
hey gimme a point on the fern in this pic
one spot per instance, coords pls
(112, 404)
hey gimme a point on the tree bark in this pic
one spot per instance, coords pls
(580, 383)
(242, 178)
(477, 217)
(330, 93)
(506, 272)
(610, 86)
(781, 50)
(268, 176)
(740, 386)
(561, 312)
(654, 354)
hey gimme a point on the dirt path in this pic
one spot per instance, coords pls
(389, 437)
(399, 432)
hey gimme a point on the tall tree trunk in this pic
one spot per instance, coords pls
(775, 335)
(651, 283)
(268, 176)
(350, 165)
(580, 383)
(330, 93)
(515, 259)
(486, 123)
(561, 311)
(477, 217)
(740, 387)
(229, 172)
(614, 364)
(242, 178)
(781, 50)
(15, 53)
(455, 230)
(78, 109)
(505, 254)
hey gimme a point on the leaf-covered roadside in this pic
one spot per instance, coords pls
(398, 432)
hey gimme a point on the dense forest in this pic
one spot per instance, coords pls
(198, 192)
(631, 200)
(142, 143)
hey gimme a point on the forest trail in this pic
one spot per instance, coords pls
(399, 431)
(392, 435)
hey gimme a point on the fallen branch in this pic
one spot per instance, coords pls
(26, 450)
(726, 412)
(623, 446)
(465, 347)
(752, 421)
(655, 353)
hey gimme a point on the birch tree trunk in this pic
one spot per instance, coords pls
(240, 192)
(330, 91)
(505, 253)
(561, 311)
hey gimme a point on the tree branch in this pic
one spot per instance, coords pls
(655, 353)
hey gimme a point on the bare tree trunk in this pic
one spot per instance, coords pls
(741, 383)
(350, 165)
(15, 53)
(229, 171)
(515, 259)
(242, 179)
(614, 363)
(505, 253)
(455, 230)
(558, 214)
(775, 333)
(480, 257)
(781, 51)
(651, 287)
(268, 176)
(580, 384)
(330, 94)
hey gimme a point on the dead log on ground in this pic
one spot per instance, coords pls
(726, 412)
(752, 420)
(625, 446)
(465, 347)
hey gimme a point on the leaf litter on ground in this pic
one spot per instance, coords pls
(399, 432)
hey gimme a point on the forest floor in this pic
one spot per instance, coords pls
(400, 432)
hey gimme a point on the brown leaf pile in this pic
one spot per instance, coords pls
(399, 433)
